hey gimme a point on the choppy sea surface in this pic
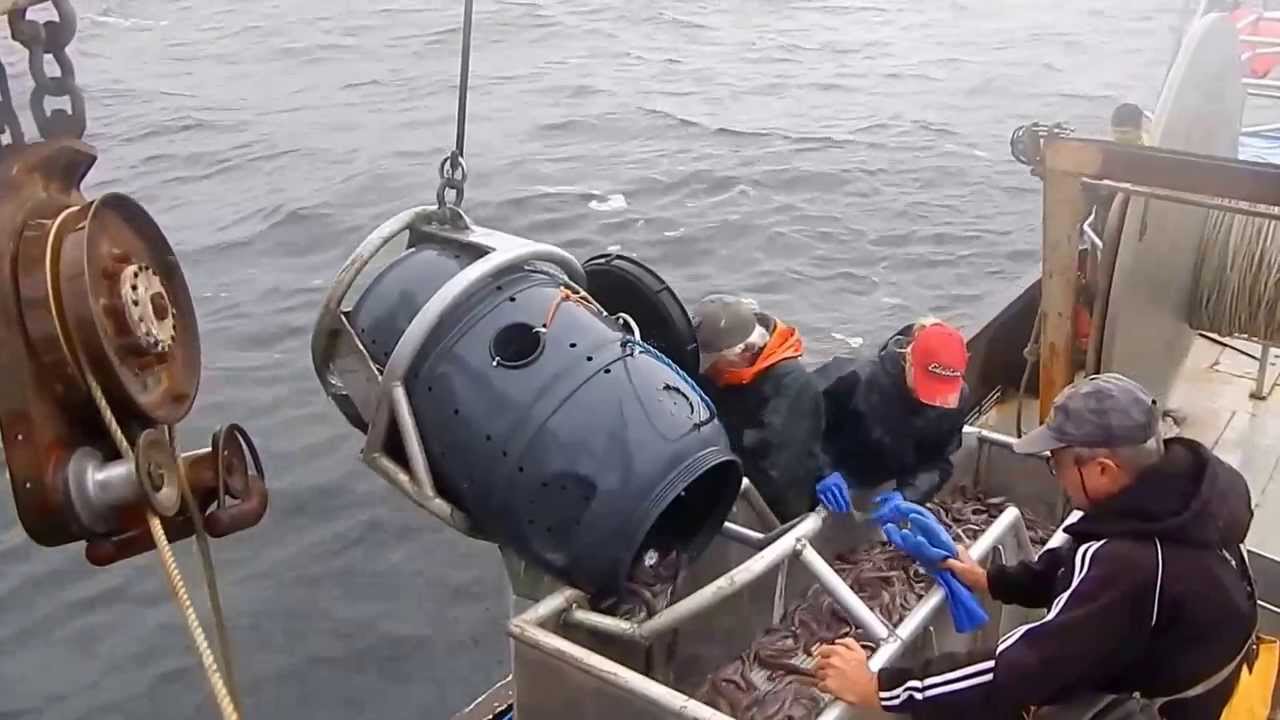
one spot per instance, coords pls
(844, 163)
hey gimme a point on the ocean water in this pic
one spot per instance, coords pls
(843, 163)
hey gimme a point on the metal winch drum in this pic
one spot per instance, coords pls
(102, 349)
(525, 411)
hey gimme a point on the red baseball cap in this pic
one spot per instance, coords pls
(938, 360)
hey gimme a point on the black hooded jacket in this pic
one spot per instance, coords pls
(877, 431)
(1149, 597)
(774, 425)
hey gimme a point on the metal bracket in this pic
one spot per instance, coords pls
(381, 398)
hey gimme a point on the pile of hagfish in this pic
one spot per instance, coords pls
(772, 678)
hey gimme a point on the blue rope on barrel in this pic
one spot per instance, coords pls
(641, 346)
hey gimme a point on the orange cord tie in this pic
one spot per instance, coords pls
(579, 298)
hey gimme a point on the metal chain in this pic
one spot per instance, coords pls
(453, 171)
(51, 38)
(453, 176)
(10, 126)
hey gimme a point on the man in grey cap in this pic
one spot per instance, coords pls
(769, 404)
(1150, 603)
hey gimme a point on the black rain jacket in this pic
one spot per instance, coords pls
(775, 427)
(877, 431)
(1150, 596)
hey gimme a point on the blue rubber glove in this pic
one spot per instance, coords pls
(927, 542)
(967, 614)
(891, 508)
(884, 506)
(916, 547)
(923, 523)
(833, 493)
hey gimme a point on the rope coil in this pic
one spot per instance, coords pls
(1238, 277)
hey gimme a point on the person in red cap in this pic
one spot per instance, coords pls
(898, 416)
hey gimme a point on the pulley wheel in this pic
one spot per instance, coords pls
(156, 468)
(41, 286)
(124, 304)
(233, 461)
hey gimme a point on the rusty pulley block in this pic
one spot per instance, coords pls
(101, 349)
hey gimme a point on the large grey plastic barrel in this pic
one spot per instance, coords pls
(577, 447)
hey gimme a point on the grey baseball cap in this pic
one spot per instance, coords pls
(722, 321)
(1100, 411)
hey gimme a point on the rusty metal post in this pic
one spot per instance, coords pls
(1064, 208)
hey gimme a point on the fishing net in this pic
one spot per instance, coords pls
(1238, 277)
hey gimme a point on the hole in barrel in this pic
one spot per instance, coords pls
(516, 345)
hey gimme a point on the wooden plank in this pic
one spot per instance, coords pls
(1203, 356)
(1240, 365)
(1064, 206)
(1266, 518)
(1248, 444)
(1205, 389)
(1205, 424)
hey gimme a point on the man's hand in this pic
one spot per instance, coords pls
(973, 575)
(843, 673)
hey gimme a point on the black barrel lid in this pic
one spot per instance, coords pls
(623, 284)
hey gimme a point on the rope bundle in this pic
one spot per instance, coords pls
(1238, 277)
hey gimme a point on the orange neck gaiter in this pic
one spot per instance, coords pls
(784, 344)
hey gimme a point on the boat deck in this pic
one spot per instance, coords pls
(1214, 392)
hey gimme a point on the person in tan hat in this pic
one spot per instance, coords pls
(1151, 608)
(769, 404)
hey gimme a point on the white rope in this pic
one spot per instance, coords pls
(221, 693)
(1238, 277)
(205, 555)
